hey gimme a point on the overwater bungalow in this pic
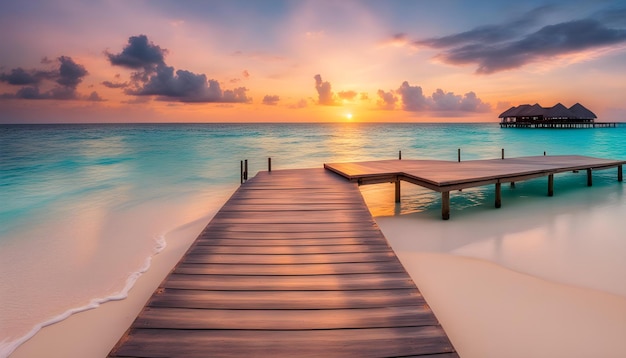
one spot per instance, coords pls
(557, 116)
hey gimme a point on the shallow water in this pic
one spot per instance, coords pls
(84, 207)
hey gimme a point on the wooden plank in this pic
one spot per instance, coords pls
(242, 206)
(292, 217)
(382, 317)
(193, 257)
(292, 269)
(285, 300)
(297, 227)
(374, 342)
(213, 233)
(341, 241)
(289, 283)
(289, 250)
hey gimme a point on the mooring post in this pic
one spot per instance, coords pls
(498, 195)
(241, 171)
(245, 169)
(503, 153)
(619, 173)
(550, 184)
(589, 181)
(513, 185)
(269, 164)
(399, 155)
(445, 205)
(459, 155)
(544, 153)
(397, 182)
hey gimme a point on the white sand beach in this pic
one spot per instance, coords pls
(543, 278)
(539, 279)
(94, 332)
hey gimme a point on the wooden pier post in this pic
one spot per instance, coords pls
(397, 182)
(245, 169)
(619, 173)
(459, 155)
(503, 153)
(550, 184)
(589, 180)
(241, 171)
(269, 164)
(498, 195)
(445, 205)
(399, 155)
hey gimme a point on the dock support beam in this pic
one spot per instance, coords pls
(445, 205)
(397, 182)
(550, 184)
(620, 177)
(589, 180)
(498, 195)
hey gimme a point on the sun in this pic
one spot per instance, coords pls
(348, 116)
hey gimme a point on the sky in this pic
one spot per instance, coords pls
(68, 61)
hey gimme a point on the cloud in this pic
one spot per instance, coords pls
(66, 78)
(489, 33)
(347, 95)
(155, 78)
(387, 100)
(300, 104)
(495, 48)
(110, 84)
(70, 73)
(414, 100)
(324, 91)
(20, 77)
(186, 86)
(271, 100)
(95, 97)
(139, 53)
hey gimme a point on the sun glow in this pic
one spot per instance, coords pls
(348, 116)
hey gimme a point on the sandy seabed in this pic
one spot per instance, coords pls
(545, 279)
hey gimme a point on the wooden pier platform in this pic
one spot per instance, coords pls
(293, 265)
(447, 176)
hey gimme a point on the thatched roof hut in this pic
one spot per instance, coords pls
(558, 112)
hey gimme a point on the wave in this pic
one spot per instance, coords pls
(7, 347)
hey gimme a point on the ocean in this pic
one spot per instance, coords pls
(84, 208)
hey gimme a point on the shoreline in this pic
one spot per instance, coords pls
(94, 332)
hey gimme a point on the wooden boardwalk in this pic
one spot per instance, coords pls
(293, 265)
(446, 176)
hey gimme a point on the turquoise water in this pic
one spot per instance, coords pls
(75, 198)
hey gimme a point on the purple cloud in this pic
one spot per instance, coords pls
(495, 48)
(155, 78)
(66, 78)
(271, 100)
(324, 91)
